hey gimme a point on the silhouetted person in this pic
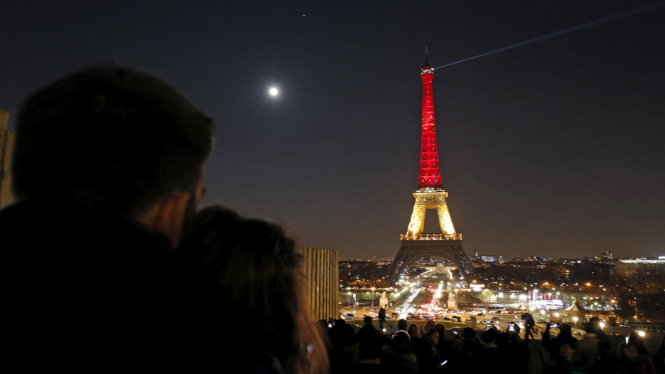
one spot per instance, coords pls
(594, 328)
(516, 352)
(444, 345)
(344, 339)
(659, 358)
(371, 343)
(459, 361)
(607, 361)
(490, 359)
(634, 357)
(552, 344)
(431, 359)
(472, 345)
(397, 356)
(568, 360)
(254, 268)
(107, 166)
(413, 332)
(589, 344)
(382, 318)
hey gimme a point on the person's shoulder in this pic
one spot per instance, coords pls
(368, 327)
(37, 226)
(79, 240)
(411, 357)
(493, 352)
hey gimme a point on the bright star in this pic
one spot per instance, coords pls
(273, 91)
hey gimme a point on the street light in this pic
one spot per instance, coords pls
(575, 319)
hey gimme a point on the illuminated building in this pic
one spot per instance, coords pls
(415, 244)
(6, 145)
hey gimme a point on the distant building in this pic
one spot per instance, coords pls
(491, 258)
(629, 267)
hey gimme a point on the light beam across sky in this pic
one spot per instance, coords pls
(562, 32)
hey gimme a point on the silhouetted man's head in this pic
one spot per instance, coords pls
(468, 333)
(114, 139)
(487, 338)
(402, 324)
(367, 319)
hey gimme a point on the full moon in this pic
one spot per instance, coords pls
(273, 91)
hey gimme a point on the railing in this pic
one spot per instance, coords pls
(431, 236)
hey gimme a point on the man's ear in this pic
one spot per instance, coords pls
(169, 217)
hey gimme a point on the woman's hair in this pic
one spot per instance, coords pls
(440, 328)
(413, 331)
(429, 325)
(635, 339)
(255, 269)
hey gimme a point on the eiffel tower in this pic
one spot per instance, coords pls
(429, 195)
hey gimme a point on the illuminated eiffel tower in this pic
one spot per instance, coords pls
(430, 195)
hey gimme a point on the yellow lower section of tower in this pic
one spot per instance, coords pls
(431, 200)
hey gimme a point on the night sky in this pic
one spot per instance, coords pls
(554, 149)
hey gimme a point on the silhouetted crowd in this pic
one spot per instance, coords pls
(429, 349)
(596, 353)
(433, 349)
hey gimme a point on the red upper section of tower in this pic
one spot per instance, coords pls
(430, 175)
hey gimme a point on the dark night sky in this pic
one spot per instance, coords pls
(552, 149)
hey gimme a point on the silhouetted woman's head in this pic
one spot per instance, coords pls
(255, 269)
(413, 331)
(429, 325)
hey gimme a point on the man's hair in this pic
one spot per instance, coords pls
(402, 324)
(109, 137)
(487, 337)
(367, 319)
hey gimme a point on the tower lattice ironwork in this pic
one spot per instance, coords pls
(429, 195)
(430, 175)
